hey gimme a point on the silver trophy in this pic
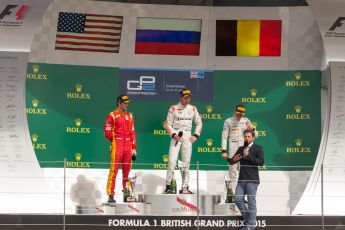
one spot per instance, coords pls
(183, 171)
(132, 181)
(229, 192)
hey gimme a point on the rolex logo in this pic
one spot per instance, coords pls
(253, 92)
(35, 103)
(78, 94)
(36, 75)
(253, 98)
(34, 137)
(35, 145)
(78, 164)
(298, 115)
(160, 132)
(78, 156)
(34, 110)
(78, 129)
(78, 87)
(35, 68)
(165, 158)
(209, 115)
(298, 142)
(297, 82)
(209, 148)
(298, 76)
(209, 108)
(298, 108)
(298, 148)
(163, 166)
(78, 122)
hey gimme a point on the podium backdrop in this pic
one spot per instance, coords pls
(66, 107)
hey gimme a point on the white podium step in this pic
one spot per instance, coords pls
(228, 209)
(172, 205)
(181, 204)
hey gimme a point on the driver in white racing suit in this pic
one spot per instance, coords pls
(233, 129)
(179, 127)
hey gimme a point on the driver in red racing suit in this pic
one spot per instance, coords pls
(119, 130)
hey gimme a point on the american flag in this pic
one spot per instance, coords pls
(88, 32)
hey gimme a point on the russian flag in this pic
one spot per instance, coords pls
(168, 36)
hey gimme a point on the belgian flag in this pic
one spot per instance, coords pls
(248, 37)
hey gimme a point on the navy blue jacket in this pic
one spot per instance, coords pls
(249, 171)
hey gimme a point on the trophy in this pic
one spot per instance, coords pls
(173, 184)
(229, 192)
(132, 197)
(126, 192)
(183, 168)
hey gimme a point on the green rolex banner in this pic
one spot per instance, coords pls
(66, 107)
(285, 108)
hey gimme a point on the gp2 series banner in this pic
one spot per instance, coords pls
(66, 107)
(163, 85)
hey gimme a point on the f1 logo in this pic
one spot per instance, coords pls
(145, 83)
(9, 10)
(338, 23)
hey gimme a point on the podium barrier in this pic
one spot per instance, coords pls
(198, 207)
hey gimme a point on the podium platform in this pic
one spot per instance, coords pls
(181, 204)
(171, 205)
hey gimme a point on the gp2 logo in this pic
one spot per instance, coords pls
(145, 83)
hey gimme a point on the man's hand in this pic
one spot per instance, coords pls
(237, 157)
(134, 152)
(177, 138)
(192, 139)
(245, 152)
(224, 156)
